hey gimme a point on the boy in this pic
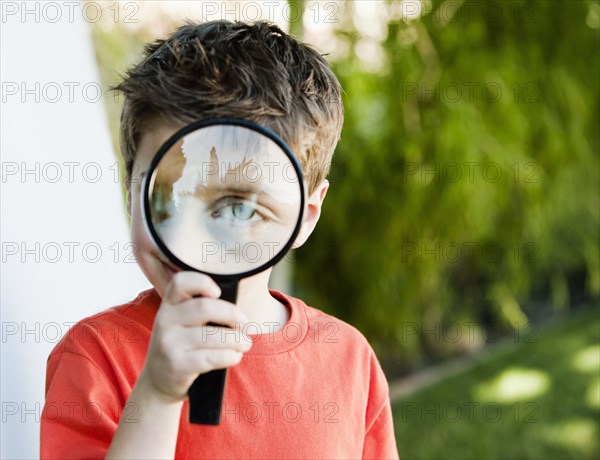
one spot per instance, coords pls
(306, 385)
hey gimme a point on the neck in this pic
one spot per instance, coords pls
(263, 310)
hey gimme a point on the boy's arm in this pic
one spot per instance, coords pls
(380, 440)
(80, 417)
(179, 350)
(153, 434)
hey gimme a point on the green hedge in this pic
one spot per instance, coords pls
(465, 187)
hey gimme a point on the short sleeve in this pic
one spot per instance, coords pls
(380, 440)
(80, 415)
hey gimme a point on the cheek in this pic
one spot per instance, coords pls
(139, 234)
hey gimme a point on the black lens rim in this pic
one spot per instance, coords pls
(162, 151)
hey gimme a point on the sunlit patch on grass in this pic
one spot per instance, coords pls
(592, 395)
(514, 384)
(588, 359)
(576, 434)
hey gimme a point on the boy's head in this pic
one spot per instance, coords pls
(224, 69)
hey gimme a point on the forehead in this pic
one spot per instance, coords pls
(154, 135)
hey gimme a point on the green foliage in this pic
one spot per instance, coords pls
(465, 186)
(537, 400)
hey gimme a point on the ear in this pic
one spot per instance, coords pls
(128, 195)
(313, 212)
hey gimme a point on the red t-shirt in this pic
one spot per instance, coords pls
(314, 389)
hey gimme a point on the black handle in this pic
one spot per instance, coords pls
(206, 393)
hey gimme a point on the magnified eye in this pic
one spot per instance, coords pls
(242, 211)
(236, 210)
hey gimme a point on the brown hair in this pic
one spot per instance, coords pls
(252, 71)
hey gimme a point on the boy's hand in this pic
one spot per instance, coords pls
(182, 346)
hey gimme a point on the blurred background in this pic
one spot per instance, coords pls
(460, 233)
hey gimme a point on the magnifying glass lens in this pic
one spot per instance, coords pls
(225, 200)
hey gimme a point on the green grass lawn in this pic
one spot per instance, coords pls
(537, 400)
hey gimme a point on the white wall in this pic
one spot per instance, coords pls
(56, 210)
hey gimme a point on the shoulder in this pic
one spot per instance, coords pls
(327, 329)
(316, 316)
(119, 324)
(342, 348)
(109, 346)
(355, 351)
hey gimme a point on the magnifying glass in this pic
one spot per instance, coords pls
(224, 197)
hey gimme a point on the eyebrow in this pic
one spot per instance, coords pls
(210, 192)
(240, 190)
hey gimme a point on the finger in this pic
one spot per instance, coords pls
(187, 285)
